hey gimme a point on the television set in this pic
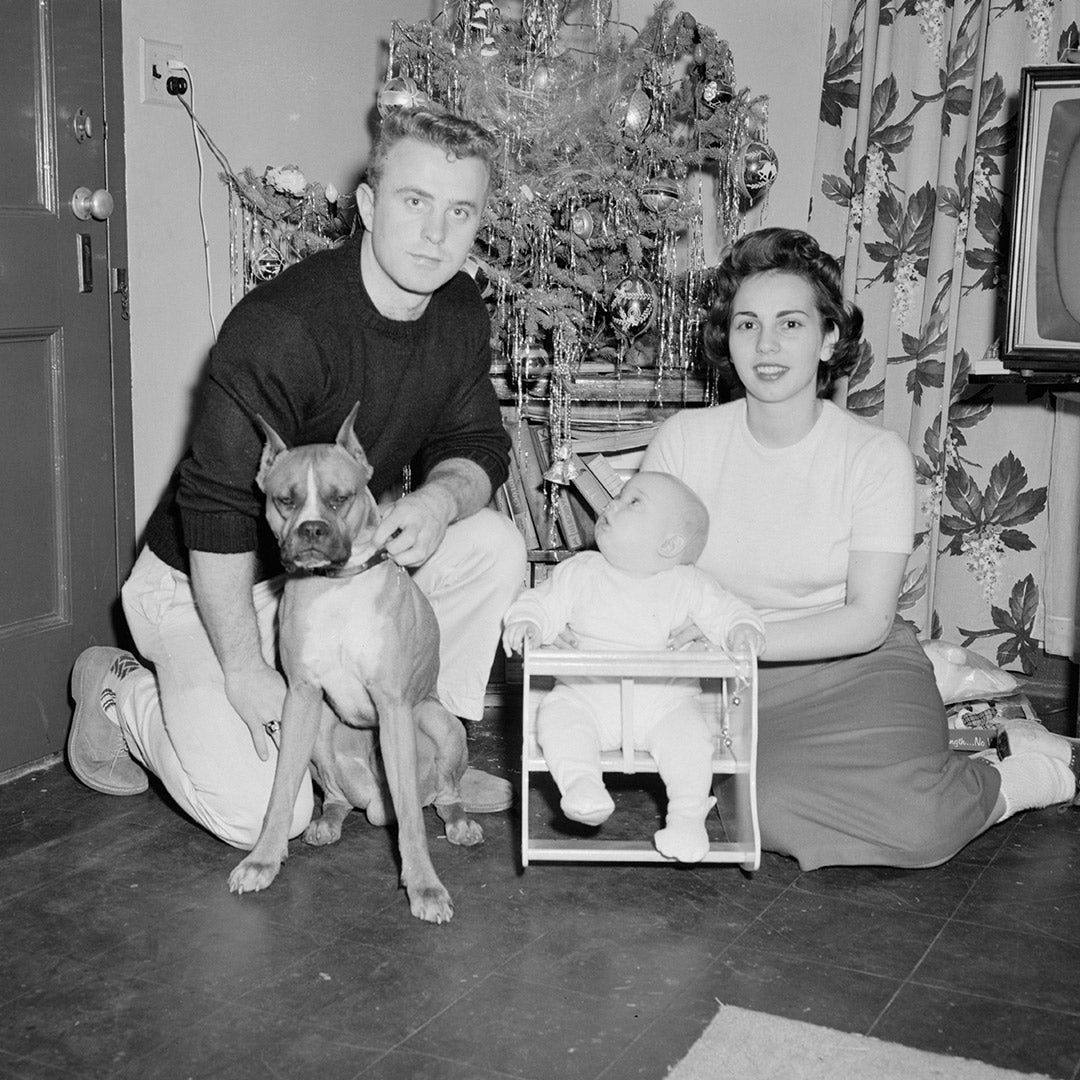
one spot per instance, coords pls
(1042, 317)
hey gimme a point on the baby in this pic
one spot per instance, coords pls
(632, 594)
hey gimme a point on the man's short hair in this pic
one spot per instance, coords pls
(458, 136)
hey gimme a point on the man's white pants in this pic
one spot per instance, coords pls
(180, 725)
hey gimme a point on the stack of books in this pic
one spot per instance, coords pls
(554, 517)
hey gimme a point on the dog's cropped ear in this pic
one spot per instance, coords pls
(347, 440)
(272, 448)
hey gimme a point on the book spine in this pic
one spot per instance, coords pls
(591, 490)
(519, 507)
(532, 475)
(601, 468)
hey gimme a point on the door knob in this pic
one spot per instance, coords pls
(86, 204)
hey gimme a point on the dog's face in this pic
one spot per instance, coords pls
(317, 499)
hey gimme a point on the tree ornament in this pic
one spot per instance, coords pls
(758, 168)
(473, 268)
(401, 93)
(715, 92)
(660, 194)
(562, 470)
(633, 306)
(632, 113)
(700, 54)
(482, 16)
(268, 263)
(581, 223)
(541, 78)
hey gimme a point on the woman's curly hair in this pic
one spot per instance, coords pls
(787, 251)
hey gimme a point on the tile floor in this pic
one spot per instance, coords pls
(126, 956)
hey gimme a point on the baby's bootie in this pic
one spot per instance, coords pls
(684, 837)
(587, 800)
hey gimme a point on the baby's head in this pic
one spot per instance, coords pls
(655, 523)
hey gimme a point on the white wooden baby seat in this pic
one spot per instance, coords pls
(729, 701)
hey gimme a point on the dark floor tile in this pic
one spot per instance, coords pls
(236, 1043)
(223, 946)
(783, 985)
(94, 1020)
(637, 961)
(370, 996)
(656, 1050)
(1028, 890)
(938, 892)
(834, 930)
(531, 1031)
(408, 1065)
(21, 1068)
(1008, 965)
(1001, 1033)
(985, 847)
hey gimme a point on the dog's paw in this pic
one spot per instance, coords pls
(322, 832)
(252, 874)
(431, 903)
(464, 831)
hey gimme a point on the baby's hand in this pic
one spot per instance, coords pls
(745, 638)
(517, 633)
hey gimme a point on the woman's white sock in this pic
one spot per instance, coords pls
(1031, 781)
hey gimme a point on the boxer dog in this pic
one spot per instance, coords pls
(355, 629)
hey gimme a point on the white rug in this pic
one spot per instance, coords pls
(744, 1045)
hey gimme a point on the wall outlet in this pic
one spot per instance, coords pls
(155, 57)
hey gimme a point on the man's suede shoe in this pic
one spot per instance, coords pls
(482, 793)
(97, 753)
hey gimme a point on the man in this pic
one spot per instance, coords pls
(387, 320)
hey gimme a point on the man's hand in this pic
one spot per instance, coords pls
(414, 526)
(258, 695)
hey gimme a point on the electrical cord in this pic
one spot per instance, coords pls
(178, 87)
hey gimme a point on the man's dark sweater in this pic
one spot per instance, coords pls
(300, 351)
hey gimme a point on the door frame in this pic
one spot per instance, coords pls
(112, 67)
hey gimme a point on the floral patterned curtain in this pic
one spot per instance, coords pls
(913, 186)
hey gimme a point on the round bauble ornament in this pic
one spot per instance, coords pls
(631, 112)
(638, 111)
(540, 79)
(268, 263)
(401, 93)
(758, 168)
(581, 223)
(660, 194)
(633, 306)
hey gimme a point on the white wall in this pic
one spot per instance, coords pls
(294, 81)
(277, 82)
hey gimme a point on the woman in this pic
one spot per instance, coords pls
(813, 516)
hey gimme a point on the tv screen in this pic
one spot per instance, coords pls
(1043, 310)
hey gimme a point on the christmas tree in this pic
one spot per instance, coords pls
(592, 243)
